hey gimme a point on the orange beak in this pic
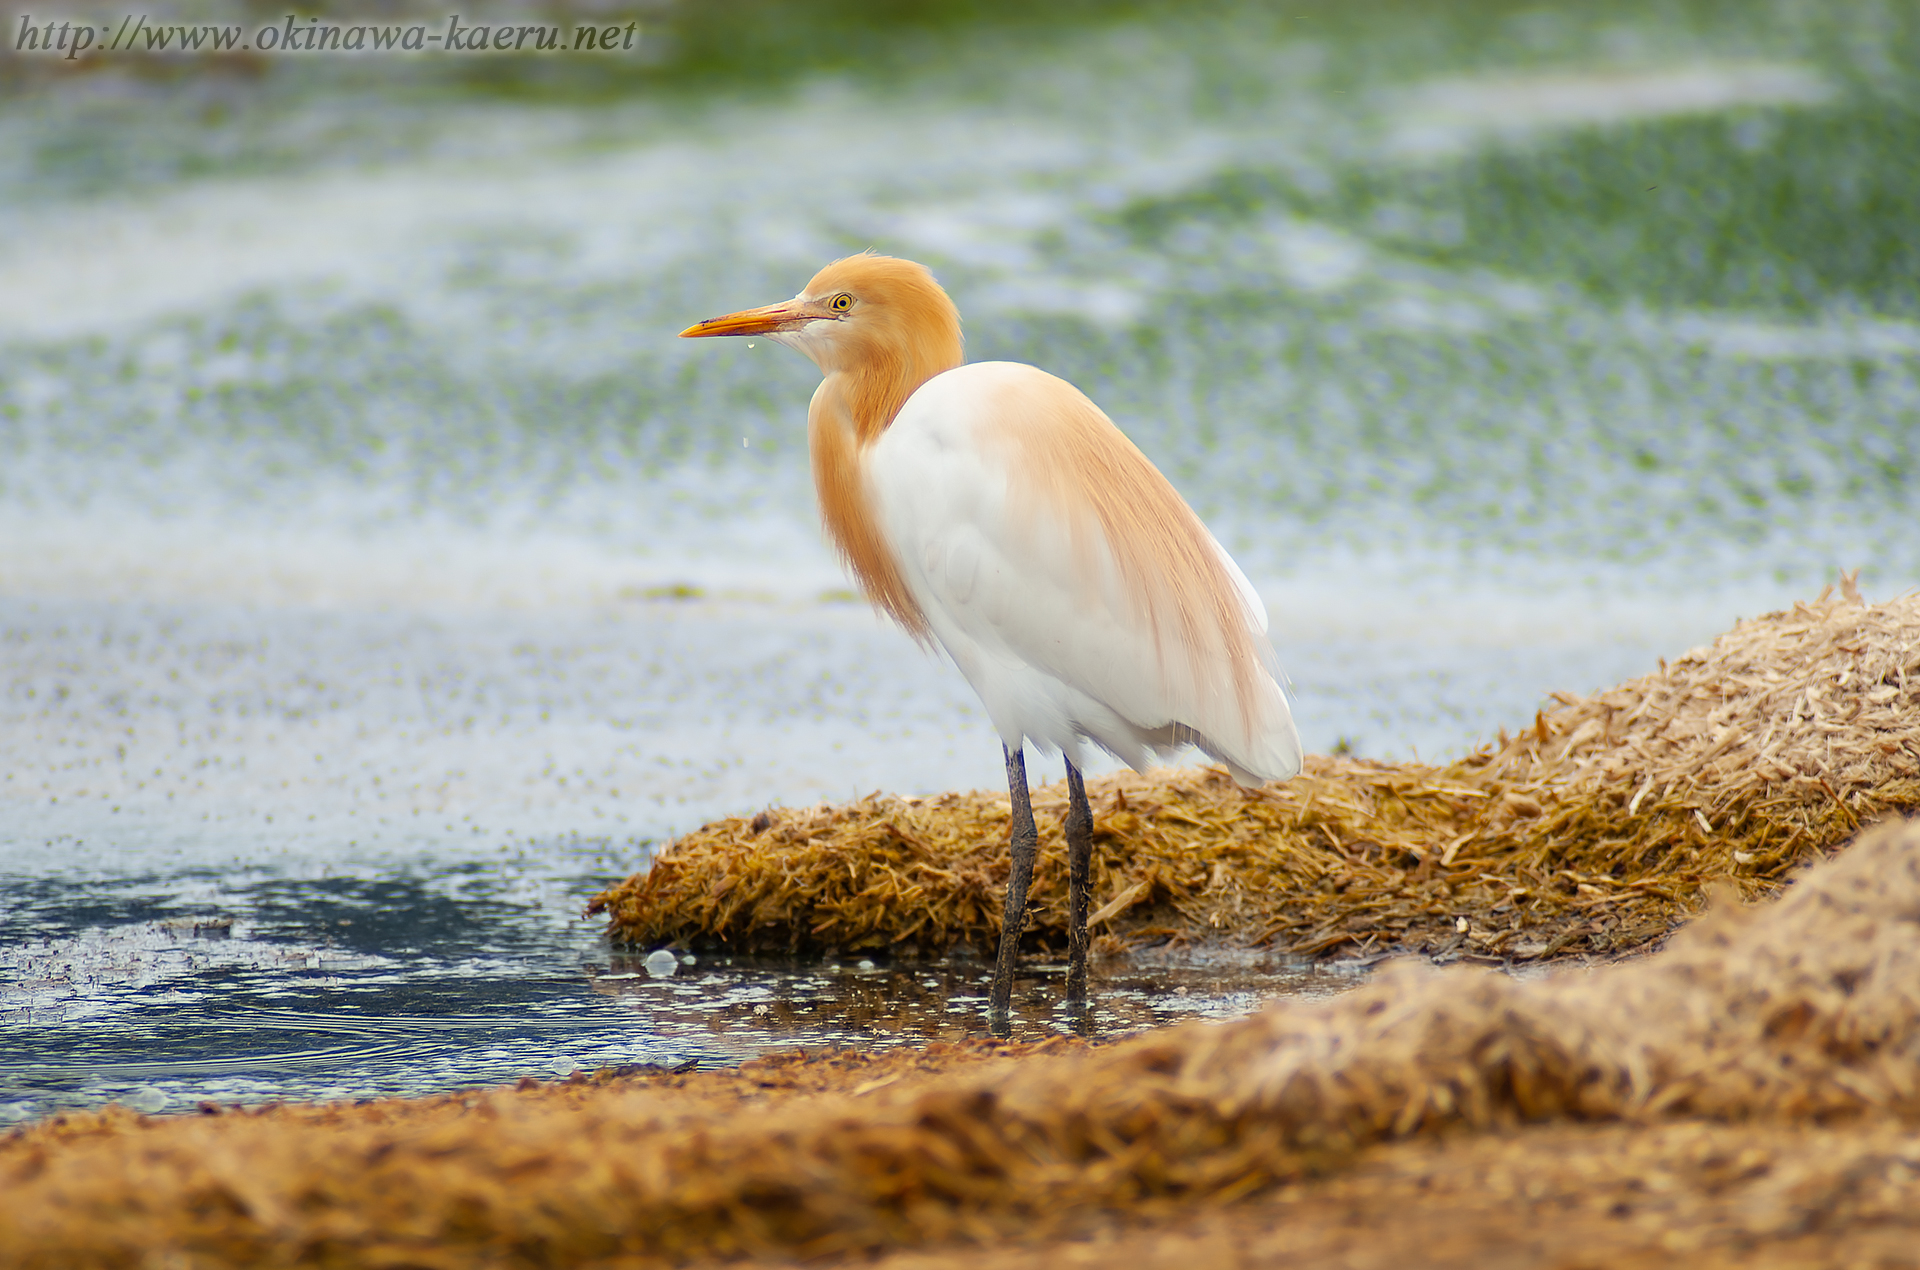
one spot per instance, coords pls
(783, 316)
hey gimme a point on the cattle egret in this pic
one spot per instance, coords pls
(994, 510)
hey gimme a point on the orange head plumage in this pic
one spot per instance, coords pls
(883, 322)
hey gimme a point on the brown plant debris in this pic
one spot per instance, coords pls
(1595, 829)
(1698, 1195)
(1766, 1031)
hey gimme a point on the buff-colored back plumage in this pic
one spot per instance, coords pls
(1071, 464)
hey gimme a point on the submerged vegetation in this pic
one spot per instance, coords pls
(1596, 829)
(1597, 338)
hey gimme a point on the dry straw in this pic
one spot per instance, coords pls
(1692, 1195)
(1595, 829)
(1804, 1013)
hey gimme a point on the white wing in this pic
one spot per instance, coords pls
(1041, 626)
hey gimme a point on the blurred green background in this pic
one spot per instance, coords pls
(1532, 288)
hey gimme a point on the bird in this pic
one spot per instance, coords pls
(993, 511)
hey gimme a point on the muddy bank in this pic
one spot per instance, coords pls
(1800, 1013)
(1596, 829)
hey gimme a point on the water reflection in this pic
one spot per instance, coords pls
(862, 1002)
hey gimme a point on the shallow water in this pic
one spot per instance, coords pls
(379, 576)
(368, 974)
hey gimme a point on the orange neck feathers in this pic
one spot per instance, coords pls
(900, 331)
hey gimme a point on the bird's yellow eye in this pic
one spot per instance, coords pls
(840, 303)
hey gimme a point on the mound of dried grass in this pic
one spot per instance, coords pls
(1806, 1011)
(1596, 829)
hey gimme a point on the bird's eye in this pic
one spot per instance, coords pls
(840, 303)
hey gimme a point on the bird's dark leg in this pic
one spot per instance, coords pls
(1024, 840)
(1079, 864)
